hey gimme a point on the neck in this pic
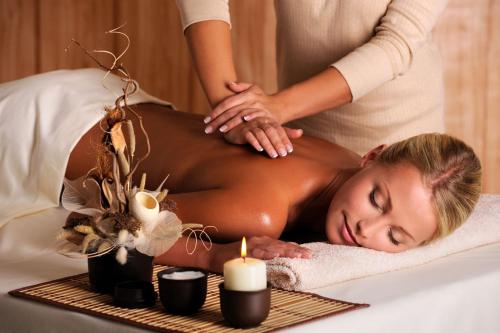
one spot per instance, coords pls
(311, 214)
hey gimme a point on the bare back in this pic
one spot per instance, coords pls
(216, 183)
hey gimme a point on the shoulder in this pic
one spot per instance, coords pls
(263, 202)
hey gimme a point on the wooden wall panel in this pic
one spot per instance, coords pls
(159, 58)
(465, 36)
(254, 45)
(491, 156)
(34, 33)
(17, 39)
(62, 20)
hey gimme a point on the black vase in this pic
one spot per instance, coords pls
(105, 271)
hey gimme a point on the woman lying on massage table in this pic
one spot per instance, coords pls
(392, 199)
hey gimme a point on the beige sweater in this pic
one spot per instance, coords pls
(382, 48)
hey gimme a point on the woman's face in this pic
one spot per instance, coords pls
(385, 208)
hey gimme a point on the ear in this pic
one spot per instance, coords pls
(371, 155)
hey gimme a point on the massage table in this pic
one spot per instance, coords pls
(457, 293)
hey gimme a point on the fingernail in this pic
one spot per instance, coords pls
(260, 149)
(274, 155)
(247, 118)
(207, 120)
(223, 129)
(208, 130)
(289, 148)
(282, 152)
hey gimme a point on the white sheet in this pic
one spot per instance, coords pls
(459, 293)
(44, 116)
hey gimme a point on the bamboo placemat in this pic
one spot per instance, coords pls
(287, 308)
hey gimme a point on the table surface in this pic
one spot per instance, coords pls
(458, 293)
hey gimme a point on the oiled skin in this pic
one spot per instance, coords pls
(238, 190)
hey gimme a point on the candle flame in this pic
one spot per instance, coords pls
(243, 248)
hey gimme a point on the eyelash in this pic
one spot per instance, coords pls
(374, 203)
(391, 238)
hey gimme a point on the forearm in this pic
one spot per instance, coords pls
(211, 50)
(178, 255)
(321, 92)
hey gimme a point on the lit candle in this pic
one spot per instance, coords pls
(245, 274)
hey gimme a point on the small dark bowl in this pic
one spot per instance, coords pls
(182, 297)
(244, 308)
(134, 294)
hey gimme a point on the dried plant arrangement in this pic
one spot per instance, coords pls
(113, 214)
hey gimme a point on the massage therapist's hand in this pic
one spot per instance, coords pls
(249, 102)
(264, 133)
(258, 247)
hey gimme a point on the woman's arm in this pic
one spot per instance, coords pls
(243, 210)
(211, 50)
(389, 53)
(213, 259)
(321, 92)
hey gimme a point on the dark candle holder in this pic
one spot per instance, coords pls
(134, 294)
(182, 297)
(245, 308)
(105, 272)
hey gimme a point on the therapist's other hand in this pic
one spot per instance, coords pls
(249, 102)
(264, 134)
(261, 247)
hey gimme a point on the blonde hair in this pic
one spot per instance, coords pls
(449, 168)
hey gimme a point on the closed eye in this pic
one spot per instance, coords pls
(391, 237)
(373, 200)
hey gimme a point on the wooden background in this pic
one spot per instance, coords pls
(34, 34)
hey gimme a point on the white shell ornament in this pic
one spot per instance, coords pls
(145, 208)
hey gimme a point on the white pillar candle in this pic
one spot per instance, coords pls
(245, 274)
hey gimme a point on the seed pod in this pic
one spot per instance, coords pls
(86, 241)
(118, 188)
(122, 161)
(143, 183)
(131, 138)
(103, 247)
(84, 229)
(162, 195)
(117, 138)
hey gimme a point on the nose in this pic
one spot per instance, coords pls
(368, 227)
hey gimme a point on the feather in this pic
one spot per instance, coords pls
(82, 195)
(110, 196)
(70, 250)
(105, 226)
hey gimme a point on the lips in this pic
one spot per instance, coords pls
(347, 233)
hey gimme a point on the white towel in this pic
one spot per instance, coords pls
(336, 263)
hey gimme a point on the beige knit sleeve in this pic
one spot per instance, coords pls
(193, 11)
(405, 27)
